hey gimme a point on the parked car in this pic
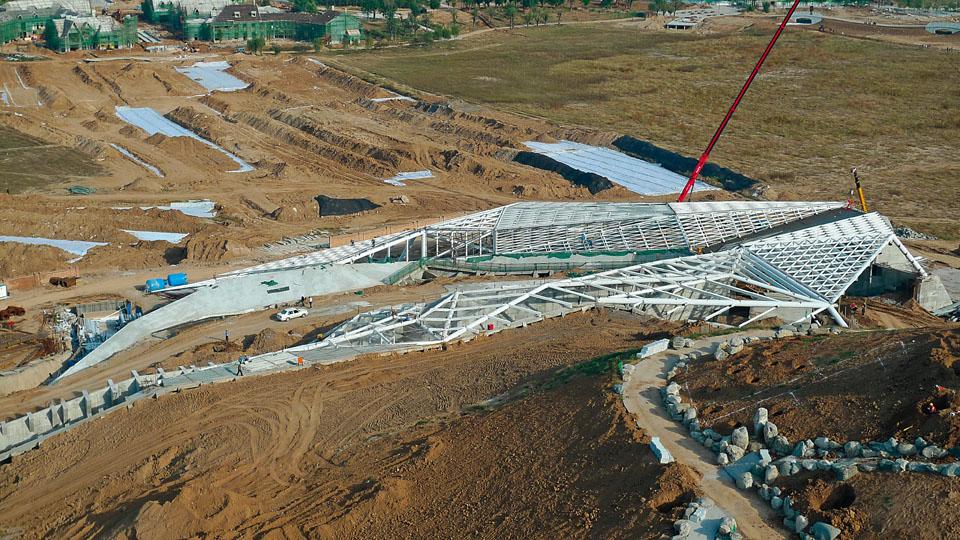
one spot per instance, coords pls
(290, 313)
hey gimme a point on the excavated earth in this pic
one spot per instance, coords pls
(854, 386)
(308, 129)
(381, 447)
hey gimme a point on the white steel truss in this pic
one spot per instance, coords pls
(794, 275)
(552, 227)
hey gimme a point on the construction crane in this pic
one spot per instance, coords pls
(856, 181)
(736, 102)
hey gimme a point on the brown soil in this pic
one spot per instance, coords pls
(311, 130)
(874, 506)
(375, 448)
(858, 386)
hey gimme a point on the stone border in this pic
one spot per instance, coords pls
(852, 457)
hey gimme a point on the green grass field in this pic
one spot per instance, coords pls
(27, 163)
(822, 104)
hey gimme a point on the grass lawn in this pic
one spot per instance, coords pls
(822, 104)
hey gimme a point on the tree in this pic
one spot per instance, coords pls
(558, 6)
(475, 13)
(318, 44)
(511, 13)
(528, 17)
(586, 3)
(305, 6)
(675, 5)
(434, 4)
(276, 49)
(50, 35)
(256, 44)
(369, 7)
(147, 8)
(656, 6)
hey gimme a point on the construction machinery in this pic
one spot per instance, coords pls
(856, 181)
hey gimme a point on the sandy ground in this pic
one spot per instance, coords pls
(378, 447)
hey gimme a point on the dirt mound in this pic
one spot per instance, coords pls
(269, 340)
(863, 386)
(214, 247)
(20, 259)
(193, 120)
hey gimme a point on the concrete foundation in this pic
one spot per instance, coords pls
(930, 293)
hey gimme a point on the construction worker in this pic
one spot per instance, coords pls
(240, 365)
(226, 336)
(310, 302)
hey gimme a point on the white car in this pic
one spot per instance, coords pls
(290, 313)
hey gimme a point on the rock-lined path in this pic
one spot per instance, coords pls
(641, 393)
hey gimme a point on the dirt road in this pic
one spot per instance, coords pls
(642, 399)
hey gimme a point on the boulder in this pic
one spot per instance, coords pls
(770, 473)
(764, 492)
(933, 452)
(822, 442)
(734, 451)
(745, 481)
(673, 389)
(780, 445)
(728, 525)
(720, 354)
(765, 457)
(690, 415)
(759, 420)
(776, 502)
(891, 445)
(906, 449)
(769, 431)
(683, 527)
(723, 459)
(740, 437)
(824, 531)
(800, 523)
(844, 471)
(678, 342)
(900, 465)
(949, 469)
(851, 449)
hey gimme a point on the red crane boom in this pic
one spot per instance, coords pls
(736, 102)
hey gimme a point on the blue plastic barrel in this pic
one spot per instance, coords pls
(177, 279)
(156, 284)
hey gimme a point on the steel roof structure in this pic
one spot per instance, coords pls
(564, 227)
(794, 275)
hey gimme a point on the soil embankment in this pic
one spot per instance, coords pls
(375, 448)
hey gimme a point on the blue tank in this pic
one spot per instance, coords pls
(175, 280)
(156, 284)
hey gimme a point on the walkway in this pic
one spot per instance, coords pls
(642, 399)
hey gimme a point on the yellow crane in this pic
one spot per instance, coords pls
(856, 181)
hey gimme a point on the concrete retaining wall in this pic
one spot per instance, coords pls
(234, 295)
(26, 432)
